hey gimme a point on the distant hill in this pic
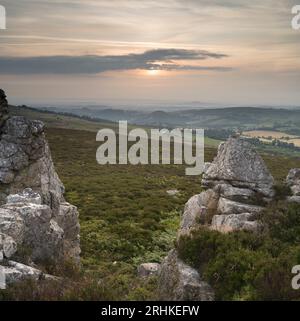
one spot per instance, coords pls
(62, 120)
(246, 118)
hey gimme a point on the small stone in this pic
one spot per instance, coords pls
(147, 269)
(172, 192)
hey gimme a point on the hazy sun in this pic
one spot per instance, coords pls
(152, 72)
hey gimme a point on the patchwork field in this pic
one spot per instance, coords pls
(269, 135)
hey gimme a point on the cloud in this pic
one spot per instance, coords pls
(162, 59)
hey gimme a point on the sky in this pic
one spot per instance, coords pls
(206, 52)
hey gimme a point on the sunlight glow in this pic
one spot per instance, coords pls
(153, 72)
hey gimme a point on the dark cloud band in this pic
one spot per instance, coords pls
(162, 59)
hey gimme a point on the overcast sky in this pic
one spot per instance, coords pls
(227, 52)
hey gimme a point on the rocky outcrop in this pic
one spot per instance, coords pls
(33, 212)
(25, 161)
(180, 282)
(237, 185)
(239, 165)
(293, 181)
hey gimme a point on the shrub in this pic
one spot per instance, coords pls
(282, 191)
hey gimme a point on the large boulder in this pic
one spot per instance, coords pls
(238, 164)
(49, 235)
(240, 178)
(25, 161)
(32, 226)
(180, 282)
